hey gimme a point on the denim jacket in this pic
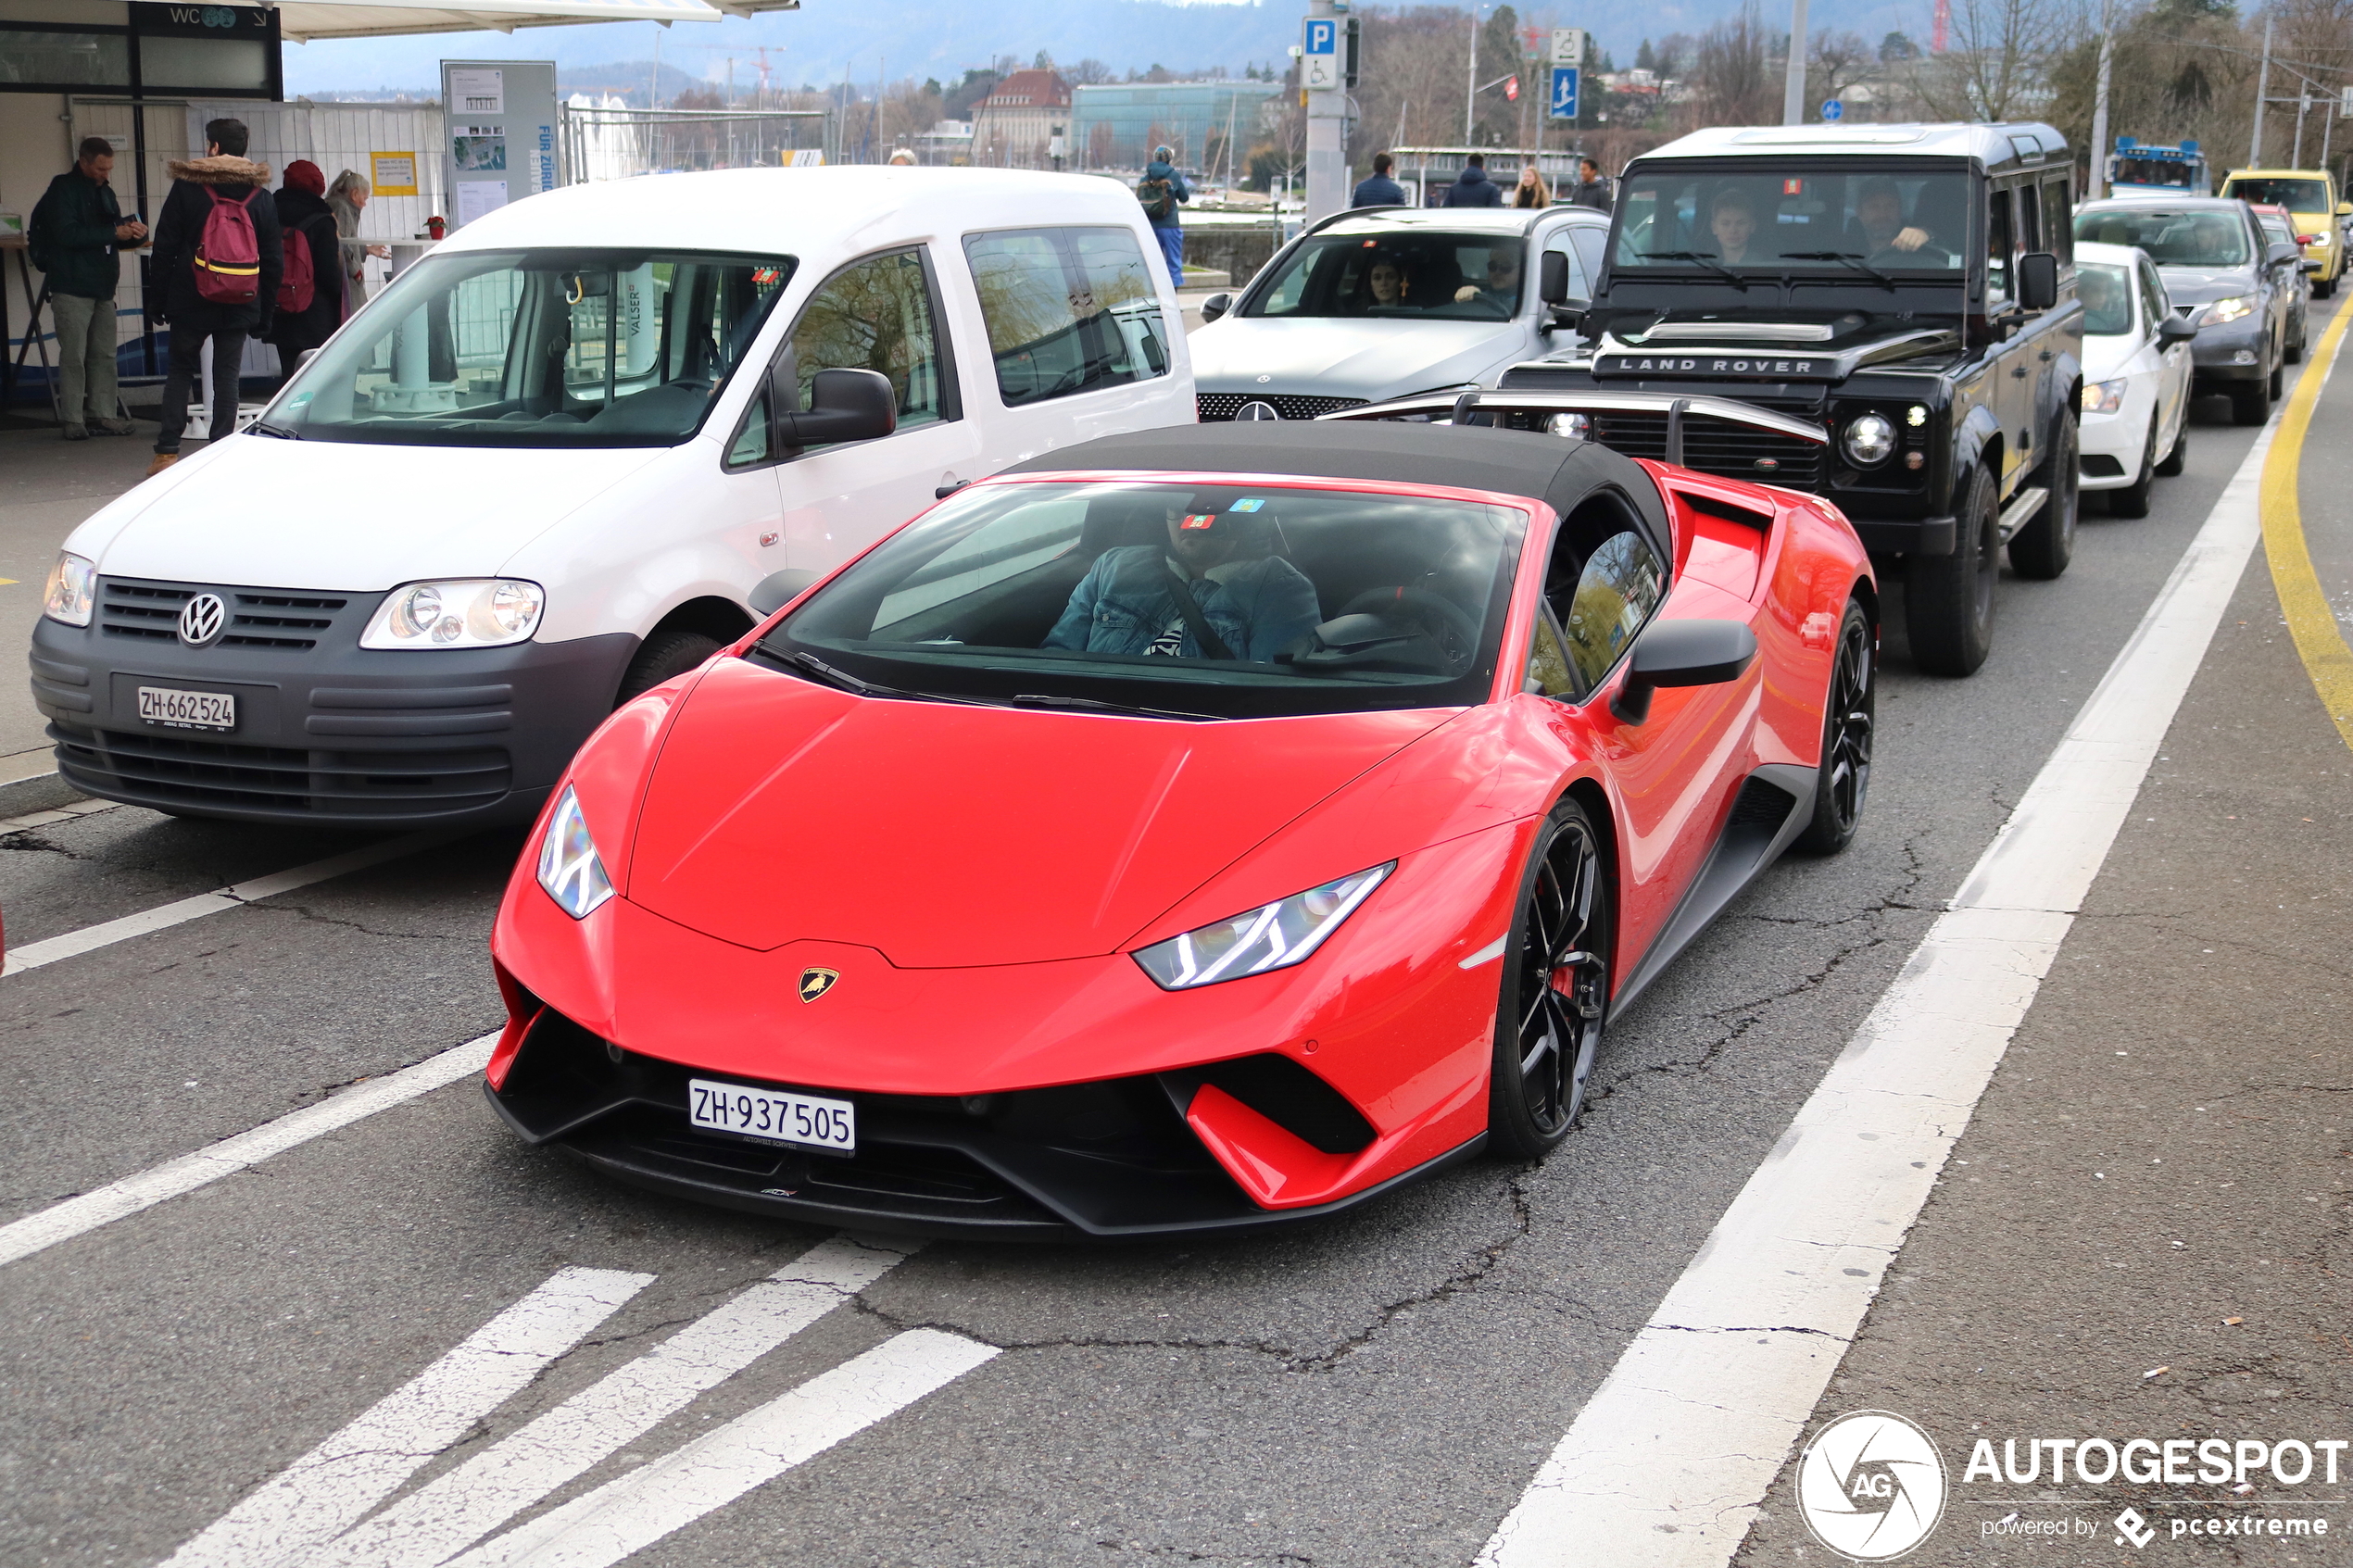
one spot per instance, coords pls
(1257, 607)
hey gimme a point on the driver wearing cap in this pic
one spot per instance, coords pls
(1253, 604)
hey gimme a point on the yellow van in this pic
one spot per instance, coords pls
(2312, 195)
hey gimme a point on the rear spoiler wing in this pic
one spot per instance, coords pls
(1542, 408)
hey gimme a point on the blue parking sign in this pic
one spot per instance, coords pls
(1323, 36)
(1564, 93)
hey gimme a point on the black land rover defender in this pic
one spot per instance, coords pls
(1906, 288)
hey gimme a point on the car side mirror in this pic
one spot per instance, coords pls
(1552, 277)
(778, 589)
(2283, 252)
(1216, 305)
(2344, 210)
(1682, 653)
(844, 406)
(2037, 281)
(2176, 329)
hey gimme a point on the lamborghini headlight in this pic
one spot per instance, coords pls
(1276, 937)
(569, 868)
(2104, 396)
(2231, 309)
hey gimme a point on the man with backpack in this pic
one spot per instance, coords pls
(311, 292)
(1160, 190)
(77, 234)
(219, 260)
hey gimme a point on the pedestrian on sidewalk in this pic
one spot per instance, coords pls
(76, 237)
(1531, 190)
(218, 263)
(1474, 188)
(1591, 189)
(1160, 190)
(1378, 189)
(309, 298)
(347, 198)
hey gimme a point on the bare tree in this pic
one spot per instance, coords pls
(1732, 77)
(2000, 57)
(1835, 62)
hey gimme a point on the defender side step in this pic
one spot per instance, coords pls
(2021, 509)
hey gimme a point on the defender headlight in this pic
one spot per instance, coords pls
(1868, 440)
(1277, 936)
(2104, 396)
(472, 612)
(72, 590)
(2225, 311)
(569, 868)
(1572, 427)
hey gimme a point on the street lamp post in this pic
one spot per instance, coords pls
(1793, 79)
(2098, 185)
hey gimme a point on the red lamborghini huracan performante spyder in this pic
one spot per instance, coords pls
(1195, 830)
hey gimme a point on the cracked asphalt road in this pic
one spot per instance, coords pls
(1374, 1390)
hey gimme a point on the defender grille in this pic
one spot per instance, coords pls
(1216, 406)
(257, 618)
(1717, 447)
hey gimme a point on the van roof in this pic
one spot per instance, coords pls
(796, 211)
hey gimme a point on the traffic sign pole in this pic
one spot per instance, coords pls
(1323, 80)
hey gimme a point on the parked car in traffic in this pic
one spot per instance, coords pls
(1384, 302)
(2136, 377)
(2319, 209)
(2279, 227)
(2220, 268)
(547, 468)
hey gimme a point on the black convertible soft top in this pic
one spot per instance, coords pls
(1550, 468)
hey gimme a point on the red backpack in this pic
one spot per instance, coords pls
(300, 286)
(228, 259)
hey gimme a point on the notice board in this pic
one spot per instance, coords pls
(499, 140)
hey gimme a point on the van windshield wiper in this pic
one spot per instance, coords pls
(1848, 258)
(1697, 259)
(1097, 705)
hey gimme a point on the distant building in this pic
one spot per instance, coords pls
(1117, 125)
(948, 142)
(1023, 122)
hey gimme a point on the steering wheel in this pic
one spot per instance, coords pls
(1456, 633)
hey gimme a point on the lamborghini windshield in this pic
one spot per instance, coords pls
(1673, 217)
(1207, 600)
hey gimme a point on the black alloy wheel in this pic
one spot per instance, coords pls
(1850, 709)
(1949, 600)
(1555, 989)
(2133, 499)
(2044, 546)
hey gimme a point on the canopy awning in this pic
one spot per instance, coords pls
(300, 21)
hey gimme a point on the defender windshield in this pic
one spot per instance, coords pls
(1796, 216)
(1409, 274)
(2106, 294)
(1193, 599)
(538, 348)
(2297, 196)
(2208, 237)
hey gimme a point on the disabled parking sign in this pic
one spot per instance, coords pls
(1319, 56)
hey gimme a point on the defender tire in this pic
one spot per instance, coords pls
(2042, 548)
(1949, 600)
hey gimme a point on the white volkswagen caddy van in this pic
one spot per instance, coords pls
(554, 462)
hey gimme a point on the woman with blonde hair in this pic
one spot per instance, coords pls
(1531, 190)
(345, 197)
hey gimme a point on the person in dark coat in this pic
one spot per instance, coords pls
(303, 215)
(1379, 190)
(77, 233)
(1166, 228)
(1475, 189)
(196, 320)
(1591, 189)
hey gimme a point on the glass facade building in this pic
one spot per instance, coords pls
(1117, 125)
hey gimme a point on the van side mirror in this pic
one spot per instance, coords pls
(2037, 281)
(844, 406)
(778, 589)
(1216, 305)
(1681, 653)
(2176, 329)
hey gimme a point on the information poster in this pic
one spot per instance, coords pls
(501, 145)
(478, 149)
(476, 90)
(392, 174)
(476, 197)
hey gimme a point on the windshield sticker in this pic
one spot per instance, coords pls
(1199, 520)
(1249, 506)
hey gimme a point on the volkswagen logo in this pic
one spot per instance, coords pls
(202, 620)
(1257, 409)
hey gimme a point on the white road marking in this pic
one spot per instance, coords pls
(1488, 954)
(64, 813)
(116, 1201)
(320, 1495)
(34, 954)
(458, 1509)
(624, 1516)
(1668, 1462)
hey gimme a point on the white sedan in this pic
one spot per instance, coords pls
(2136, 376)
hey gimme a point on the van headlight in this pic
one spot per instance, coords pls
(1274, 936)
(468, 612)
(1868, 440)
(2224, 310)
(72, 590)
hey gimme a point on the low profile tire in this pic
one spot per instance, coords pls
(2173, 462)
(1850, 709)
(2133, 499)
(2250, 402)
(1949, 600)
(2042, 548)
(1555, 989)
(663, 656)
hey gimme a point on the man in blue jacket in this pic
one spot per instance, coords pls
(1475, 189)
(1160, 190)
(1379, 190)
(1128, 601)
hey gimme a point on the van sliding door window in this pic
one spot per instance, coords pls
(876, 315)
(1068, 310)
(577, 348)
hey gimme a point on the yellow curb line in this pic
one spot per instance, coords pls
(2310, 619)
